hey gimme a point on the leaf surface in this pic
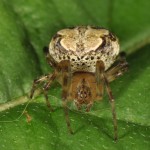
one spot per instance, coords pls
(25, 27)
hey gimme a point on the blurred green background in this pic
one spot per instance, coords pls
(25, 27)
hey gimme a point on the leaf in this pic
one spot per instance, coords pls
(18, 64)
(48, 131)
(27, 26)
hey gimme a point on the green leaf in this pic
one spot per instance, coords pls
(18, 61)
(27, 26)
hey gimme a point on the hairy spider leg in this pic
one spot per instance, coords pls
(47, 79)
(101, 67)
(100, 83)
(38, 81)
(46, 88)
(118, 70)
(65, 68)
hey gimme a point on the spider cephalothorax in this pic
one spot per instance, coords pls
(82, 57)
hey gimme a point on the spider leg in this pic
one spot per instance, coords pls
(118, 70)
(66, 77)
(100, 64)
(44, 78)
(99, 81)
(48, 79)
(38, 81)
(112, 102)
(46, 88)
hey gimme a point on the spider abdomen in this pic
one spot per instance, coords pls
(84, 46)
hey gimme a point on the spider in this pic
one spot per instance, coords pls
(83, 60)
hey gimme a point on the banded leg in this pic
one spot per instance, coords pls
(47, 79)
(111, 98)
(118, 70)
(46, 88)
(99, 81)
(112, 102)
(38, 81)
(66, 77)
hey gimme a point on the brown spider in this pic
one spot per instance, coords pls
(82, 58)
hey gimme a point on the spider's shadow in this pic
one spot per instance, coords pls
(105, 126)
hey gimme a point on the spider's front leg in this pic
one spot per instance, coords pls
(47, 80)
(65, 68)
(47, 86)
(118, 70)
(37, 82)
(99, 80)
(101, 74)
